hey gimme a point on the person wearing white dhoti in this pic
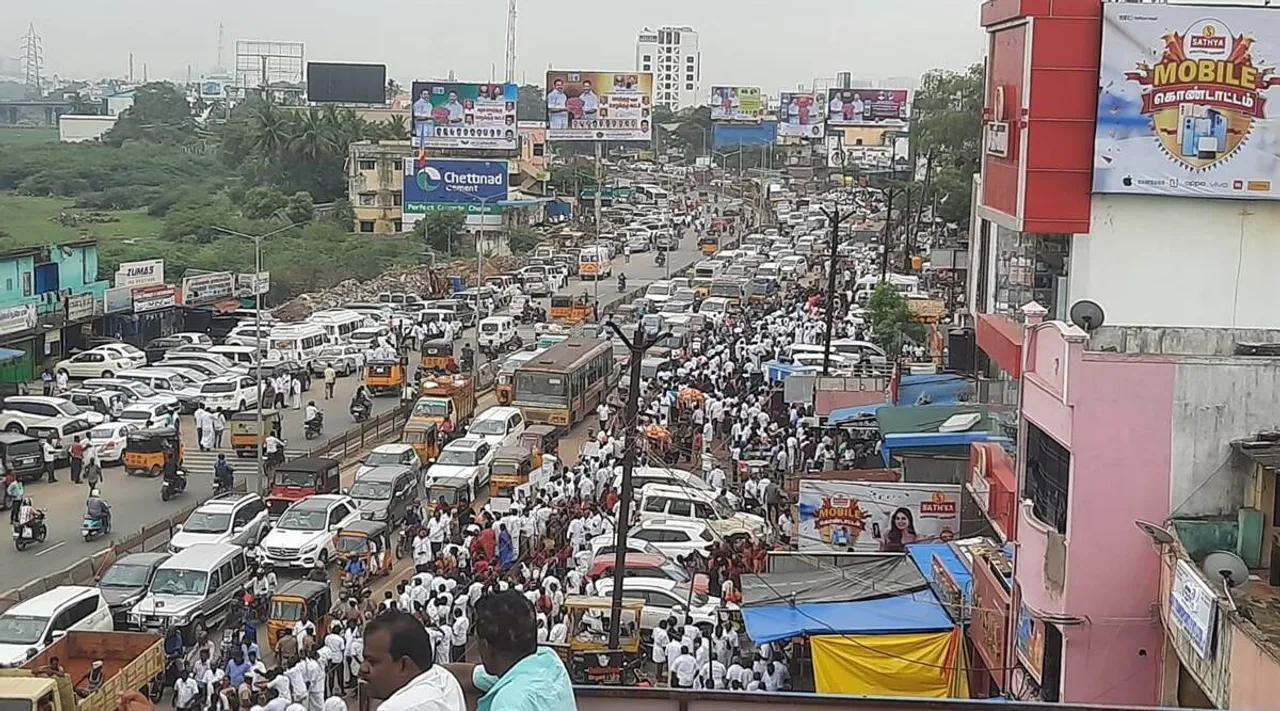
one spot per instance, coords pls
(295, 392)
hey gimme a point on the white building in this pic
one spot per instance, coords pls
(75, 128)
(671, 53)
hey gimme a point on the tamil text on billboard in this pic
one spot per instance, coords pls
(893, 155)
(868, 107)
(736, 103)
(474, 186)
(599, 106)
(459, 115)
(799, 116)
(1182, 102)
(873, 516)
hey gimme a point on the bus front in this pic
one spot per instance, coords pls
(543, 397)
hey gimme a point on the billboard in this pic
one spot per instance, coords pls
(1182, 103)
(867, 159)
(213, 88)
(476, 186)
(862, 516)
(731, 135)
(799, 116)
(599, 106)
(200, 287)
(147, 272)
(341, 83)
(464, 115)
(736, 103)
(889, 108)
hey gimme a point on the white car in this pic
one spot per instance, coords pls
(661, 596)
(22, 411)
(140, 392)
(239, 519)
(110, 439)
(467, 460)
(499, 426)
(606, 545)
(389, 455)
(674, 537)
(304, 536)
(94, 364)
(660, 292)
(145, 415)
(123, 350)
(233, 393)
(344, 359)
(194, 338)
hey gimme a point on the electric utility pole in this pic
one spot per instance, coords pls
(835, 218)
(631, 440)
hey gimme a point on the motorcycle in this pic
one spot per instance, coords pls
(170, 489)
(91, 528)
(220, 487)
(622, 285)
(660, 259)
(313, 427)
(359, 411)
(35, 531)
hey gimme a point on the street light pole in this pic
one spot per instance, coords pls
(835, 218)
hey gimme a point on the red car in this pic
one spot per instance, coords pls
(647, 565)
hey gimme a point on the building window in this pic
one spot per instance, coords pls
(397, 165)
(1031, 267)
(646, 68)
(368, 165)
(688, 87)
(688, 77)
(366, 225)
(688, 60)
(1048, 478)
(399, 225)
(648, 58)
(368, 199)
(396, 198)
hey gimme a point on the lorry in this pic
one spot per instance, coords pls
(130, 660)
(447, 401)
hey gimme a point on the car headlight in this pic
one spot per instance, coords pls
(311, 548)
(180, 620)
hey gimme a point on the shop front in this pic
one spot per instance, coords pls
(139, 314)
(989, 624)
(19, 333)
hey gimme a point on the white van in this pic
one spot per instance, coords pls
(338, 324)
(240, 355)
(499, 426)
(296, 341)
(497, 332)
(31, 625)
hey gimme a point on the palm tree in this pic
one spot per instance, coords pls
(270, 131)
(395, 128)
(313, 138)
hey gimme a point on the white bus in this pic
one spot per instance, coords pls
(296, 341)
(652, 195)
(338, 324)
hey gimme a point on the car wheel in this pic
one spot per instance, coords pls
(108, 374)
(14, 427)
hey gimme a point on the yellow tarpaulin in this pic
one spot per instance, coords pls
(928, 665)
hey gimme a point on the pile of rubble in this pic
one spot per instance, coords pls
(428, 282)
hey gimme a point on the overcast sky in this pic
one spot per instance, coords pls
(775, 44)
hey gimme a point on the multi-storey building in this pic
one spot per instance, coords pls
(671, 53)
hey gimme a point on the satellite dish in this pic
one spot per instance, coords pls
(1226, 566)
(1156, 533)
(1087, 315)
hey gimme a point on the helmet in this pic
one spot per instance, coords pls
(93, 492)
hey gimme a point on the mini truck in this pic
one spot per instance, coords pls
(130, 660)
(446, 399)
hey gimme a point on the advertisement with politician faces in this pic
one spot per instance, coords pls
(463, 115)
(736, 103)
(799, 116)
(599, 106)
(890, 108)
(1183, 102)
(865, 517)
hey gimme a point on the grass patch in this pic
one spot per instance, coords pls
(29, 221)
(27, 136)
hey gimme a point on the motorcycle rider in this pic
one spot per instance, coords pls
(468, 356)
(27, 517)
(622, 282)
(313, 419)
(660, 258)
(175, 478)
(224, 473)
(97, 510)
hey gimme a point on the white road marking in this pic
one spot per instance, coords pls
(52, 548)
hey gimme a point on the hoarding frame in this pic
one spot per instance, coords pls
(852, 512)
(473, 100)
(737, 113)
(810, 129)
(381, 96)
(564, 88)
(478, 209)
(888, 103)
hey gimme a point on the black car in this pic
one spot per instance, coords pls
(156, 348)
(126, 581)
(385, 493)
(272, 368)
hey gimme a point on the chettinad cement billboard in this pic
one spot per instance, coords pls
(599, 106)
(477, 187)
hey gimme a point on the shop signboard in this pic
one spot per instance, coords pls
(989, 619)
(81, 306)
(16, 319)
(800, 116)
(599, 106)
(743, 104)
(117, 300)
(154, 298)
(143, 273)
(947, 589)
(1030, 643)
(251, 285)
(207, 287)
(859, 516)
(883, 108)
(1183, 103)
(1193, 608)
(464, 115)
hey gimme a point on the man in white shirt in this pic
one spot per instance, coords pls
(456, 111)
(411, 681)
(557, 106)
(185, 691)
(683, 669)
(421, 552)
(660, 641)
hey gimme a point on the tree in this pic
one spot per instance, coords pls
(891, 320)
(441, 231)
(522, 240)
(947, 133)
(531, 103)
(159, 114)
(393, 89)
(299, 207)
(262, 202)
(572, 178)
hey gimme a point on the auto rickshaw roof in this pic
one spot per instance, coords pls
(508, 453)
(155, 433)
(308, 464)
(252, 415)
(384, 361)
(438, 343)
(365, 526)
(305, 589)
(540, 430)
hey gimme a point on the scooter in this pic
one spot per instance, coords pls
(91, 528)
(35, 531)
(313, 427)
(359, 411)
(622, 285)
(170, 489)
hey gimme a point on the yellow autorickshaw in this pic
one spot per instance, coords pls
(437, 356)
(369, 541)
(539, 440)
(709, 245)
(245, 437)
(300, 600)
(587, 654)
(510, 468)
(424, 437)
(568, 309)
(384, 377)
(150, 452)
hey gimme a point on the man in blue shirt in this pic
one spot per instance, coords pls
(516, 674)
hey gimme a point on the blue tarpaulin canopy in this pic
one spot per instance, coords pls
(926, 440)
(923, 553)
(900, 614)
(8, 354)
(932, 389)
(845, 414)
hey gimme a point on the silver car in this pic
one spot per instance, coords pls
(344, 359)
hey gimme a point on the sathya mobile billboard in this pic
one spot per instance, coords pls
(874, 516)
(1182, 103)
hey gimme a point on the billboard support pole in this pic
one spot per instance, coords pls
(835, 218)
(599, 190)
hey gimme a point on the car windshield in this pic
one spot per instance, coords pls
(303, 519)
(286, 477)
(143, 390)
(457, 457)
(431, 408)
(722, 508)
(22, 629)
(489, 328)
(224, 387)
(371, 490)
(70, 409)
(287, 610)
(207, 522)
(380, 458)
(179, 582)
(488, 427)
(125, 576)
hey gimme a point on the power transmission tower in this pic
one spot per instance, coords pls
(511, 41)
(221, 68)
(32, 61)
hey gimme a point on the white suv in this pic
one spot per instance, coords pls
(233, 393)
(661, 596)
(94, 364)
(674, 536)
(240, 519)
(22, 411)
(304, 536)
